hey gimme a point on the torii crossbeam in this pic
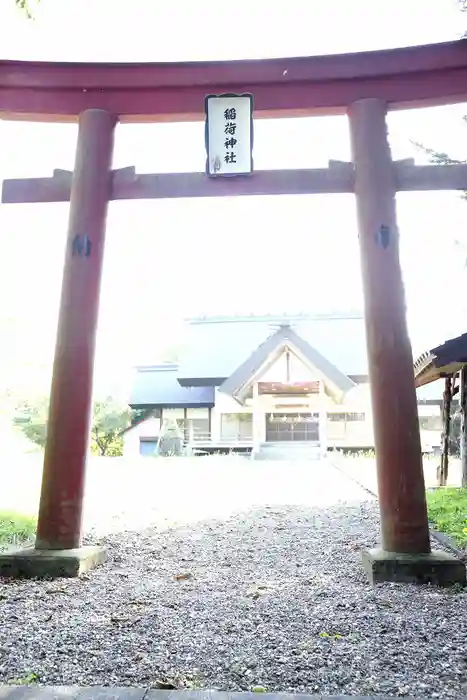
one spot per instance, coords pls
(364, 86)
(338, 178)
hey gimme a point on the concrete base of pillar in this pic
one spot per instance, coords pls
(437, 568)
(41, 563)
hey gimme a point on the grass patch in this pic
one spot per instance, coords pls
(30, 679)
(447, 509)
(15, 527)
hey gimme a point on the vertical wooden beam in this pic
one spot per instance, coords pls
(463, 405)
(448, 394)
(443, 469)
(287, 366)
(323, 419)
(186, 432)
(61, 502)
(256, 417)
(404, 522)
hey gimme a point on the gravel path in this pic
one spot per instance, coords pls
(272, 596)
(363, 469)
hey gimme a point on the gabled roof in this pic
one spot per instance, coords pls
(216, 347)
(446, 359)
(283, 336)
(157, 386)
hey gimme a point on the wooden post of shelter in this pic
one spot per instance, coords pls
(463, 440)
(443, 468)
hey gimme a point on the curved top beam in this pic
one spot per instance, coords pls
(414, 76)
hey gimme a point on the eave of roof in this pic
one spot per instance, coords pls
(442, 361)
(157, 387)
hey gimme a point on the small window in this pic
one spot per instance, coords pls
(336, 417)
(346, 417)
(354, 417)
(200, 425)
(147, 448)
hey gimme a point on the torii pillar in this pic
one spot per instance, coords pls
(405, 553)
(57, 550)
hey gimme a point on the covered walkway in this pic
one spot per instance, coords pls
(449, 362)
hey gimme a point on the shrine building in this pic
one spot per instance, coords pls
(243, 383)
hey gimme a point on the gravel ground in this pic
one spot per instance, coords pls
(272, 595)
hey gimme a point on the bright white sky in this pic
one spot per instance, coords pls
(167, 260)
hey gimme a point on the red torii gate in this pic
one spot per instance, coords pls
(363, 86)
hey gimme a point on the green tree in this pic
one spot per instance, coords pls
(31, 417)
(26, 7)
(109, 421)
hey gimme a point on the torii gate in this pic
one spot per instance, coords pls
(362, 85)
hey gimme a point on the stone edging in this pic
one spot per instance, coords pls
(448, 542)
(34, 692)
(440, 537)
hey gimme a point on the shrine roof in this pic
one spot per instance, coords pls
(284, 335)
(226, 349)
(157, 386)
(217, 347)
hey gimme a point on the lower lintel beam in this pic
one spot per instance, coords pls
(422, 178)
(127, 184)
(338, 178)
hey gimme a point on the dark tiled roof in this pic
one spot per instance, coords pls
(443, 360)
(217, 347)
(277, 339)
(158, 386)
(453, 350)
